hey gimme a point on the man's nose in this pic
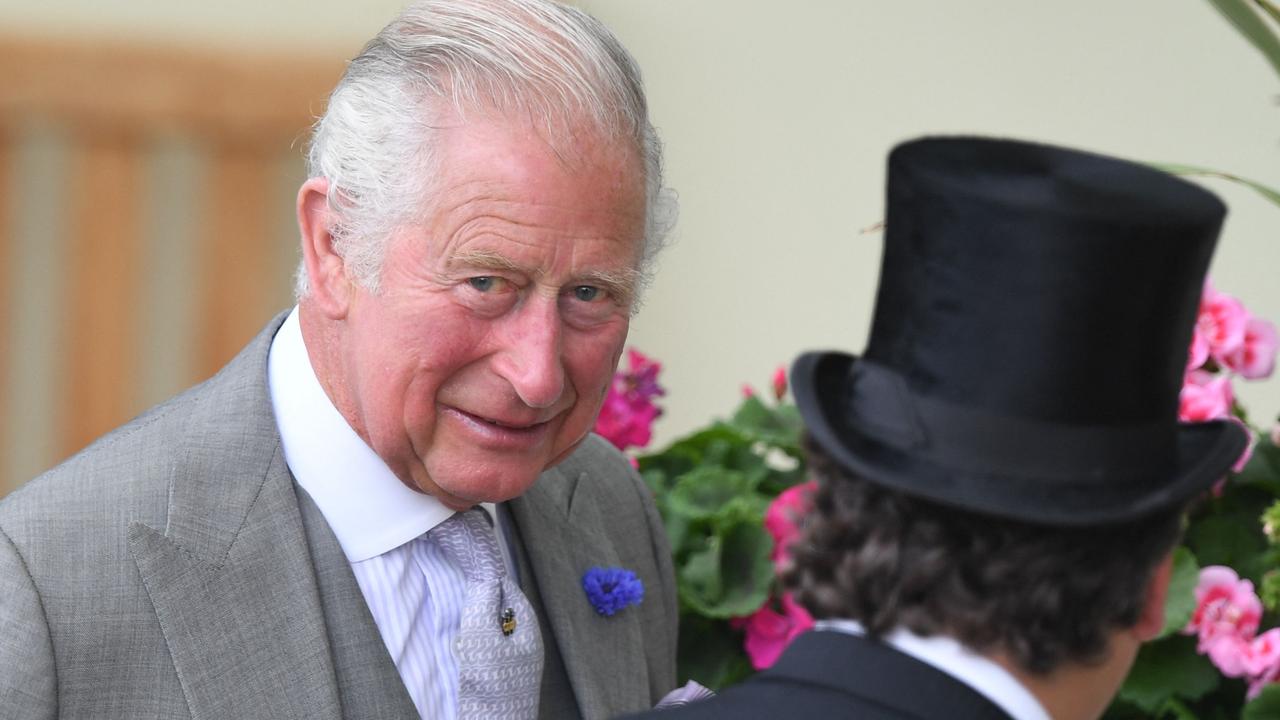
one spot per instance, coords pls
(532, 360)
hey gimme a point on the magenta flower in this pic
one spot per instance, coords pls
(1205, 397)
(627, 414)
(779, 383)
(1226, 606)
(782, 518)
(769, 632)
(641, 380)
(1255, 358)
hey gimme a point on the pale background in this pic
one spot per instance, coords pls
(777, 118)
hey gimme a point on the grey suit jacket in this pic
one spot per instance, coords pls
(174, 569)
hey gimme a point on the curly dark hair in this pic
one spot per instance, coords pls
(1043, 595)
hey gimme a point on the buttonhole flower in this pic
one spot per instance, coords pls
(612, 589)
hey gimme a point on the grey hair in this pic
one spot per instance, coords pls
(553, 63)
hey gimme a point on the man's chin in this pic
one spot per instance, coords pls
(464, 493)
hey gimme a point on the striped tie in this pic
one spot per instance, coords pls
(499, 645)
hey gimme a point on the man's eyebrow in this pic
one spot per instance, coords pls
(619, 283)
(622, 285)
(485, 259)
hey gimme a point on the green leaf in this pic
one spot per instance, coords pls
(705, 491)
(1178, 711)
(692, 450)
(700, 585)
(1193, 171)
(1242, 15)
(655, 479)
(710, 652)
(1181, 602)
(732, 575)
(677, 532)
(1232, 537)
(1269, 8)
(1264, 707)
(1121, 709)
(1263, 468)
(1167, 669)
(778, 426)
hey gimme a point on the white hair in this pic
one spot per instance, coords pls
(535, 58)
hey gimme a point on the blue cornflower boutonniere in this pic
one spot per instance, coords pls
(612, 589)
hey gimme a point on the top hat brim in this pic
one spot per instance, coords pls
(1204, 452)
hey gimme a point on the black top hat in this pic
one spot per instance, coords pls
(1029, 339)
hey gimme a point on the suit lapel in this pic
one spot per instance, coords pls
(560, 528)
(229, 575)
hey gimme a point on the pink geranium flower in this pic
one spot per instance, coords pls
(1198, 353)
(627, 414)
(1262, 680)
(1226, 606)
(1205, 397)
(1263, 653)
(1228, 653)
(1257, 660)
(1222, 321)
(782, 518)
(769, 632)
(1255, 358)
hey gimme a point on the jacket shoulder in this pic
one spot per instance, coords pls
(125, 475)
(128, 467)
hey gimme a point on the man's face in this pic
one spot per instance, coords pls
(485, 355)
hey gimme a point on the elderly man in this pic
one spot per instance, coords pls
(1001, 473)
(386, 506)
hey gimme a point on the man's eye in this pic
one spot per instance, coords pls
(484, 283)
(586, 293)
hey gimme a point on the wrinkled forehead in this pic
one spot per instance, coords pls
(564, 124)
(576, 146)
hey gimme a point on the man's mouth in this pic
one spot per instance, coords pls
(502, 430)
(508, 425)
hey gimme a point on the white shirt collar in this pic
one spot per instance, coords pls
(988, 678)
(366, 505)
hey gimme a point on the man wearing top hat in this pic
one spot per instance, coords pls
(1001, 473)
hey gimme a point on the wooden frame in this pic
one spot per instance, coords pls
(114, 99)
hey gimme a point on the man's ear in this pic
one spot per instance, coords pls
(1151, 621)
(330, 289)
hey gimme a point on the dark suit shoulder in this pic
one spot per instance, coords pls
(834, 675)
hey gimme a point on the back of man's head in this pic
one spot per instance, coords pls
(1043, 597)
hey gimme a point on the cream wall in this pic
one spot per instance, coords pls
(777, 118)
